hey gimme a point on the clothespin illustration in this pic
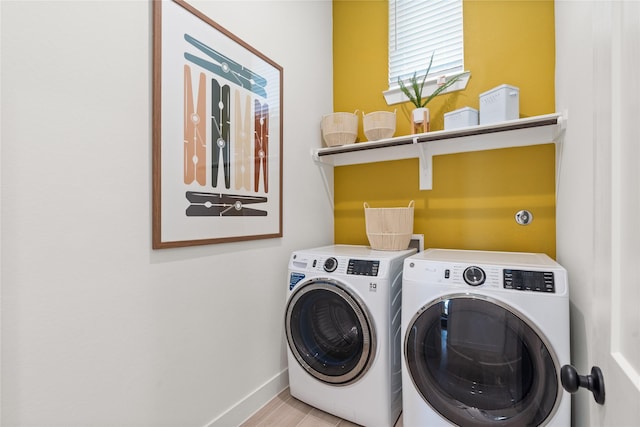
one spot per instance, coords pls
(242, 146)
(218, 204)
(226, 68)
(261, 145)
(220, 132)
(195, 148)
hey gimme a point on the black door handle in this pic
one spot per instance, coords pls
(571, 381)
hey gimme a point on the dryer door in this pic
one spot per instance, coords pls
(479, 363)
(329, 331)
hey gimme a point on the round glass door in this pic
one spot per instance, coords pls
(478, 363)
(329, 331)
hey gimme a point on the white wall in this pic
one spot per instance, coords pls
(597, 46)
(97, 328)
(575, 42)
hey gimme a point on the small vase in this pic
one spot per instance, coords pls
(420, 120)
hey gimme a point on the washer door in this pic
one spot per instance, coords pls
(330, 331)
(479, 363)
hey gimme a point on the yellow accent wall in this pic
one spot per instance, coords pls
(475, 195)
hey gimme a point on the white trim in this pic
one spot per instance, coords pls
(627, 367)
(248, 406)
(395, 95)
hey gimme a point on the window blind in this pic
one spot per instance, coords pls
(418, 28)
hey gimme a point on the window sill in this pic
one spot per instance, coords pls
(395, 95)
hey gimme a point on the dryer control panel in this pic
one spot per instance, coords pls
(485, 271)
(491, 277)
(522, 280)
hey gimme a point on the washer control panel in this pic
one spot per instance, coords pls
(361, 267)
(358, 267)
(341, 265)
(522, 280)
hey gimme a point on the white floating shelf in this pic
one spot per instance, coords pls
(514, 133)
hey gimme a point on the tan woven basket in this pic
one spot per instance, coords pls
(339, 128)
(379, 125)
(389, 229)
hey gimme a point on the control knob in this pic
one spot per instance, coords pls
(474, 276)
(330, 265)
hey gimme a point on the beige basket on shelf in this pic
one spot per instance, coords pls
(339, 128)
(379, 125)
(389, 229)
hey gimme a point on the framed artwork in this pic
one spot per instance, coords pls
(217, 133)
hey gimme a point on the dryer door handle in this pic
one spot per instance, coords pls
(571, 381)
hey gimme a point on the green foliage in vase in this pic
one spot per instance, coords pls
(414, 89)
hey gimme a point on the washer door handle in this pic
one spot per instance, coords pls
(571, 381)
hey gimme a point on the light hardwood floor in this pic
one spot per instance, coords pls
(287, 411)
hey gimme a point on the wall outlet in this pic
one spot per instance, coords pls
(417, 241)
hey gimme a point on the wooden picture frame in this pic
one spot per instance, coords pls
(217, 133)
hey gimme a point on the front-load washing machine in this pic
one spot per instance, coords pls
(342, 324)
(484, 337)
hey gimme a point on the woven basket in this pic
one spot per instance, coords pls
(389, 229)
(379, 125)
(339, 128)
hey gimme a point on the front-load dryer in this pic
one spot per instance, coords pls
(342, 323)
(484, 337)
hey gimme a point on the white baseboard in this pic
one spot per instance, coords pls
(248, 406)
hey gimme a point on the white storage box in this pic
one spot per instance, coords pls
(499, 104)
(461, 118)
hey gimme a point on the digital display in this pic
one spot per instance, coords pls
(532, 279)
(539, 281)
(361, 267)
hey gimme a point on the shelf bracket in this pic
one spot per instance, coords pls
(328, 188)
(426, 166)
